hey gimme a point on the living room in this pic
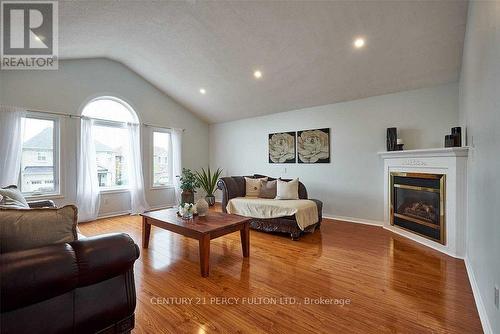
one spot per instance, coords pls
(251, 167)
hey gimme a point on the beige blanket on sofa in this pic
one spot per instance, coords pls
(305, 211)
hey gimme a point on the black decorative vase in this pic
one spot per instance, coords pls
(449, 141)
(456, 132)
(392, 137)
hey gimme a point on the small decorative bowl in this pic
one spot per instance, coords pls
(188, 216)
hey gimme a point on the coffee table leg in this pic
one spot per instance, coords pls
(245, 240)
(146, 231)
(205, 255)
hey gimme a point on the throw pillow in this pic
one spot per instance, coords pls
(287, 190)
(12, 198)
(268, 189)
(252, 186)
(24, 229)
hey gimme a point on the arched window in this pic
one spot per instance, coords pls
(111, 109)
(111, 136)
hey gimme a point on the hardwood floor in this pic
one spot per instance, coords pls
(388, 284)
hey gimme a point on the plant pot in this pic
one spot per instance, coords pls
(210, 200)
(187, 196)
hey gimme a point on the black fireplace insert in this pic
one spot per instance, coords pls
(417, 204)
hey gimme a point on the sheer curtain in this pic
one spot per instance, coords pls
(135, 177)
(10, 144)
(87, 192)
(176, 143)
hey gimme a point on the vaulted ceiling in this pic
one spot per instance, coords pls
(304, 49)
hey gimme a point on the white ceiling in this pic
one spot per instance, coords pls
(303, 48)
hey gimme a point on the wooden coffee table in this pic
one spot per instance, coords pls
(203, 229)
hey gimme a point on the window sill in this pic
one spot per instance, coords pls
(168, 186)
(114, 190)
(42, 197)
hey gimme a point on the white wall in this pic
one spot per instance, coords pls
(67, 89)
(480, 113)
(352, 184)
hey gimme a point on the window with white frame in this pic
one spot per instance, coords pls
(161, 157)
(39, 173)
(111, 139)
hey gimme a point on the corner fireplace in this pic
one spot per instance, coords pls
(417, 204)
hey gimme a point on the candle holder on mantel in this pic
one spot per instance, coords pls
(392, 135)
(455, 139)
(399, 144)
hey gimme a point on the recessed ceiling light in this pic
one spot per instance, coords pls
(359, 43)
(203, 91)
(257, 74)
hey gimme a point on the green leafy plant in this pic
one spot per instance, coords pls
(188, 180)
(207, 180)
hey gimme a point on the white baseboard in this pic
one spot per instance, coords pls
(160, 207)
(127, 212)
(481, 309)
(355, 220)
(113, 214)
(348, 219)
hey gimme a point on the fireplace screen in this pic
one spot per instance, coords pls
(417, 204)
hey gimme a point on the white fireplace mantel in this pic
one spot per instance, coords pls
(427, 153)
(451, 161)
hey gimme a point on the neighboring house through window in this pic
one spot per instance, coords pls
(40, 155)
(161, 171)
(111, 139)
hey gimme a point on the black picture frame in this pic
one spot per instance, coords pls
(318, 150)
(282, 148)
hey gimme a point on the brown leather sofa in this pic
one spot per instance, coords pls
(234, 186)
(84, 286)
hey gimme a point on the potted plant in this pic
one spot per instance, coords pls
(188, 185)
(208, 182)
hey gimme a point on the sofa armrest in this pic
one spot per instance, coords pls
(319, 205)
(41, 204)
(34, 275)
(231, 187)
(105, 256)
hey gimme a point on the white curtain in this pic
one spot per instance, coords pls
(10, 144)
(135, 177)
(87, 192)
(176, 143)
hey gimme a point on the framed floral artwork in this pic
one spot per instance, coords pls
(313, 146)
(282, 148)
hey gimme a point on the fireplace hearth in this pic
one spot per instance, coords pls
(417, 204)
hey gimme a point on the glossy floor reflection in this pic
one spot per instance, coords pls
(345, 278)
